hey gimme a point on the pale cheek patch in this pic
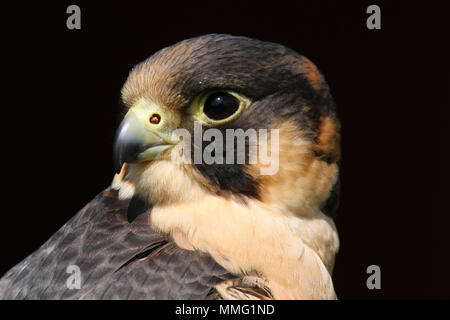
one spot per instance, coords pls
(302, 182)
(164, 182)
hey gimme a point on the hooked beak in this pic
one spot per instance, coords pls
(137, 139)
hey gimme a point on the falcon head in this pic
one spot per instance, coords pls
(227, 83)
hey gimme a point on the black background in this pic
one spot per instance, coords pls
(61, 105)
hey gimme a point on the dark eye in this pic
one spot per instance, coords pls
(220, 105)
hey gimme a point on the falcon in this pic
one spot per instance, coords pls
(191, 229)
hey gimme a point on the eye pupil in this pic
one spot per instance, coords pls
(155, 118)
(221, 105)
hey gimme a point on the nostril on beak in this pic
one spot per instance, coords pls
(155, 118)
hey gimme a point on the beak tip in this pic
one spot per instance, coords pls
(117, 158)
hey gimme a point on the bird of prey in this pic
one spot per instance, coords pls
(168, 229)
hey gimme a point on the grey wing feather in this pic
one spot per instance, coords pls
(117, 259)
